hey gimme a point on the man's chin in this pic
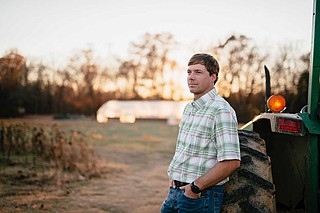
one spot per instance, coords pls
(192, 90)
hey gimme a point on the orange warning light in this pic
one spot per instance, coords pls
(276, 103)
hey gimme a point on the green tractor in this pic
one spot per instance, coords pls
(279, 152)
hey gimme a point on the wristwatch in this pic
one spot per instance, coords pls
(194, 188)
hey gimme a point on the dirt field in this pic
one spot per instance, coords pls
(135, 156)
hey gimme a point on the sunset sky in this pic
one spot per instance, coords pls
(53, 30)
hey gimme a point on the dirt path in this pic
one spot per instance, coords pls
(139, 186)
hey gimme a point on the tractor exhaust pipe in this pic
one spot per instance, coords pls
(268, 86)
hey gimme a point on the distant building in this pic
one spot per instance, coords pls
(129, 111)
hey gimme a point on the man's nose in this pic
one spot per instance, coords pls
(191, 76)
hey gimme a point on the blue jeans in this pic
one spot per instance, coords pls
(209, 202)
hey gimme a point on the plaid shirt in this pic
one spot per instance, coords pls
(207, 134)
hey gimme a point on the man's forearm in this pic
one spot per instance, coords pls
(217, 173)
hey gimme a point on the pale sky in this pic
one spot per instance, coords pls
(55, 29)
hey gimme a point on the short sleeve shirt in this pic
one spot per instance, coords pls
(208, 133)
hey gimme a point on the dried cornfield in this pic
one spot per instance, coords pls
(46, 152)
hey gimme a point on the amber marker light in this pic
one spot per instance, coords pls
(276, 103)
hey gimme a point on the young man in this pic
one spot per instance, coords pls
(207, 149)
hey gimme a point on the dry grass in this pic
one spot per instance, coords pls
(46, 151)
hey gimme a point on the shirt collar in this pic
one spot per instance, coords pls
(204, 99)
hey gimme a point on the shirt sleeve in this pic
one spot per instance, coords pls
(226, 135)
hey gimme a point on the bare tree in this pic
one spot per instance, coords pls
(130, 72)
(288, 67)
(151, 55)
(12, 69)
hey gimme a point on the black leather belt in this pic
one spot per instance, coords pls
(179, 183)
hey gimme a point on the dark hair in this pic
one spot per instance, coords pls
(206, 60)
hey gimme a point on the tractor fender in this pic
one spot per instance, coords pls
(273, 121)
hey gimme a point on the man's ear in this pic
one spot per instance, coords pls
(214, 78)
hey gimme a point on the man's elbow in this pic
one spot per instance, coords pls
(235, 164)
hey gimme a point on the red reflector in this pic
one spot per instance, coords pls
(288, 125)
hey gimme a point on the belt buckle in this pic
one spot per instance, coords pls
(179, 183)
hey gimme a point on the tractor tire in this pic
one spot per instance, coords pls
(250, 188)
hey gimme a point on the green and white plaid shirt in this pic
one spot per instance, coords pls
(208, 133)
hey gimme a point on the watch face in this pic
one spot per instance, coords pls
(194, 188)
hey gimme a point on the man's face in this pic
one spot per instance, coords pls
(199, 80)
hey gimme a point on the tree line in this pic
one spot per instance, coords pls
(149, 73)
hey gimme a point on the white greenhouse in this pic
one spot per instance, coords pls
(129, 111)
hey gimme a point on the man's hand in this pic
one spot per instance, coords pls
(171, 183)
(188, 192)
